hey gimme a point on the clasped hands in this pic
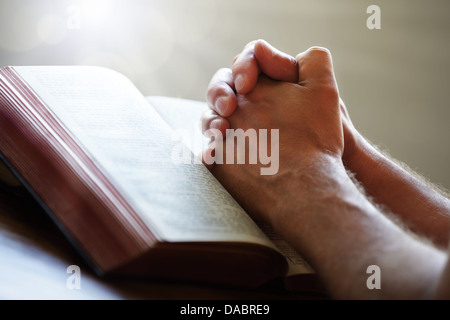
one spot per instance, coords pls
(326, 196)
(268, 89)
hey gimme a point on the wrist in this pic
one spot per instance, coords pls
(319, 179)
(363, 160)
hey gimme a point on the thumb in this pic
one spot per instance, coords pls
(315, 66)
(274, 63)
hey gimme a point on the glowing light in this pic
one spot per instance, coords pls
(51, 29)
(97, 11)
(19, 28)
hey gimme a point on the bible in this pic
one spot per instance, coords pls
(103, 161)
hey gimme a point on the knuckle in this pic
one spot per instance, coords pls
(328, 92)
(319, 51)
(240, 61)
(223, 71)
(218, 88)
(221, 88)
(208, 113)
(221, 75)
(251, 43)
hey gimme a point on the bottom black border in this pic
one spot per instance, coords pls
(277, 309)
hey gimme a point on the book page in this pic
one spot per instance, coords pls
(297, 264)
(134, 148)
(183, 117)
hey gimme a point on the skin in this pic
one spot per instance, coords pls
(312, 201)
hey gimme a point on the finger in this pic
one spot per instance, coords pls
(211, 120)
(245, 69)
(274, 63)
(208, 156)
(260, 57)
(220, 95)
(315, 66)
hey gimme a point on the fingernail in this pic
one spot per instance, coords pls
(215, 124)
(222, 104)
(239, 82)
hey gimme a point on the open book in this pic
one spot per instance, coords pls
(116, 172)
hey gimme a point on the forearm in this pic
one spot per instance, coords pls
(424, 209)
(341, 233)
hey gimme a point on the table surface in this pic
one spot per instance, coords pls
(34, 256)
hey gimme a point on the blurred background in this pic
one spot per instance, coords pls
(395, 80)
